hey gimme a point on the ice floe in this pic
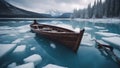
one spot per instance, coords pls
(12, 65)
(27, 65)
(33, 48)
(88, 28)
(23, 29)
(53, 66)
(106, 34)
(52, 45)
(103, 30)
(77, 30)
(18, 40)
(99, 27)
(6, 48)
(108, 20)
(113, 40)
(35, 58)
(87, 40)
(20, 48)
(102, 42)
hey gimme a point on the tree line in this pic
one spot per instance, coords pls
(106, 9)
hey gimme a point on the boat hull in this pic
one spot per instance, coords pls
(69, 39)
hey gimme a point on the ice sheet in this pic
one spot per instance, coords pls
(113, 40)
(6, 48)
(18, 40)
(106, 34)
(53, 66)
(88, 28)
(35, 58)
(102, 42)
(23, 29)
(87, 40)
(103, 30)
(12, 65)
(27, 65)
(99, 27)
(20, 48)
(107, 20)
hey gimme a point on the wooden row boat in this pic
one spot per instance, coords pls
(64, 36)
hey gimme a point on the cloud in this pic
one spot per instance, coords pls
(43, 6)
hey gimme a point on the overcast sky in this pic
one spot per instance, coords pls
(43, 6)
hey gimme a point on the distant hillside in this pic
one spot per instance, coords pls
(7, 11)
(65, 15)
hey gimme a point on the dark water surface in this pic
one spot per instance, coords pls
(88, 56)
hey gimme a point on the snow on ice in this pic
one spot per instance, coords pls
(113, 40)
(23, 29)
(35, 58)
(18, 40)
(33, 48)
(6, 48)
(20, 48)
(88, 28)
(53, 45)
(87, 40)
(99, 27)
(106, 34)
(12, 65)
(53, 66)
(27, 65)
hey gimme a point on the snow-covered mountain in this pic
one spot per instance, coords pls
(8, 10)
(55, 13)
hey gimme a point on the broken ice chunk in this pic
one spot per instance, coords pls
(18, 40)
(33, 48)
(106, 34)
(12, 65)
(88, 28)
(28, 65)
(102, 42)
(53, 45)
(20, 48)
(113, 40)
(99, 27)
(53, 66)
(33, 58)
(6, 48)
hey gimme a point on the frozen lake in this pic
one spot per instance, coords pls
(45, 52)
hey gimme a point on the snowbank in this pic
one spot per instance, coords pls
(20, 48)
(108, 20)
(53, 66)
(6, 48)
(35, 58)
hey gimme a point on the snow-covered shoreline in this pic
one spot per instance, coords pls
(94, 20)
